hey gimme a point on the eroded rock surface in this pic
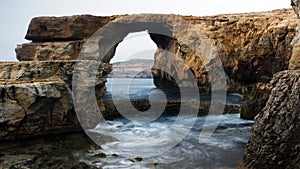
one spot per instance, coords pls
(41, 51)
(295, 59)
(275, 140)
(36, 97)
(45, 29)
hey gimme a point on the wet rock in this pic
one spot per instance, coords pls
(257, 98)
(47, 152)
(172, 107)
(136, 159)
(100, 155)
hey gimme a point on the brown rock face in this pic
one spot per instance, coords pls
(41, 51)
(45, 29)
(252, 47)
(275, 139)
(295, 59)
(36, 98)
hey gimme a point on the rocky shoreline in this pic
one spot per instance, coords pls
(52, 151)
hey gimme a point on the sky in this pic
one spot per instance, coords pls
(16, 15)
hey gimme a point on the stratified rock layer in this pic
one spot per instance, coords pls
(275, 140)
(39, 51)
(36, 97)
(47, 29)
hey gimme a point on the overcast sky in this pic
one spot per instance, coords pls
(16, 14)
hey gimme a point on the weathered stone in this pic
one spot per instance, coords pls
(252, 47)
(172, 107)
(295, 59)
(257, 97)
(41, 51)
(275, 140)
(36, 98)
(36, 108)
(78, 27)
(261, 49)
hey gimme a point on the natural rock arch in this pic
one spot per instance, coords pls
(249, 45)
(167, 35)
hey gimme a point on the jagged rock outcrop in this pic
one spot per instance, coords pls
(36, 97)
(252, 47)
(295, 59)
(275, 139)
